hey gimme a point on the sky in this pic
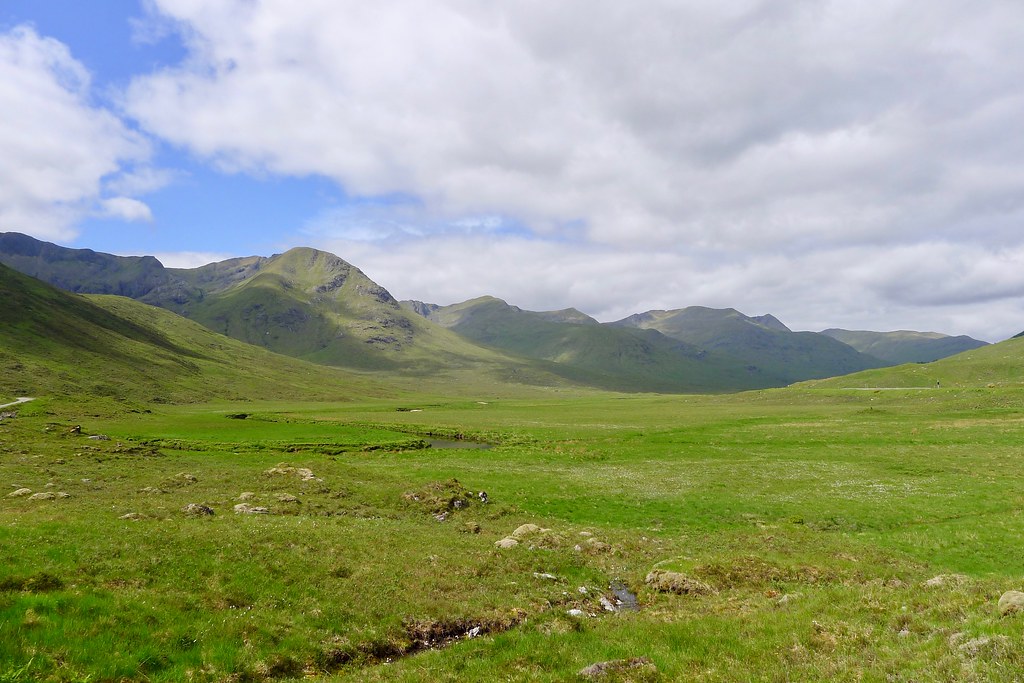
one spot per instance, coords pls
(833, 163)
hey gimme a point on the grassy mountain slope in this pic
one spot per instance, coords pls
(605, 356)
(904, 346)
(999, 365)
(57, 344)
(763, 342)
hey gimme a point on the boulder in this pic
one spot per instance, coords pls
(1011, 602)
(48, 495)
(676, 582)
(506, 543)
(246, 509)
(527, 530)
(197, 510)
(19, 493)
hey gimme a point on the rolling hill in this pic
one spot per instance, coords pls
(990, 366)
(762, 341)
(904, 346)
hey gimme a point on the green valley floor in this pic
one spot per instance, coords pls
(803, 534)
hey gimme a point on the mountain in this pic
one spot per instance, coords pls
(600, 355)
(904, 346)
(303, 303)
(102, 348)
(762, 342)
(82, 270)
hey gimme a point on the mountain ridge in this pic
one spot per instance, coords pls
(316, 306)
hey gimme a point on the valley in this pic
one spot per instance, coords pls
(182, 505)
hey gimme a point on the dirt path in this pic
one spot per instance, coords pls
(20, 400)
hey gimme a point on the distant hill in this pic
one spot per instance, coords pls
(904, 346)
(990, 366)
(601, 355)
(98, 348)
(763, 342)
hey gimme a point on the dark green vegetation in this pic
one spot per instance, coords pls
(904, 346)
(818, 533)
(315, 306)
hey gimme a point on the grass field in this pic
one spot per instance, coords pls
(811, 524)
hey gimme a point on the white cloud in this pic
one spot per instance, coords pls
(127, 209)
(188, 259)
(56, 147)
(981, 292)
(712, 138)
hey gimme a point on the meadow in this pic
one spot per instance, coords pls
(826, 534)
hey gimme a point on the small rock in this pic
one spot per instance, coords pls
(473, 632)
(506, 543)
(62, 494)
(133, 516)
(197, 510)
(43, 496)
(1011, 602)
(545, 575)
(903, 633)
(608, 605)
(77, 429)
(441, 516)
(246, 509)
(582, 590)
(19, 493)
(246, 495)
(148, 489)
(586, 533)
(186, 477)
(597, 546)
(99, 437)
(576, 613)
(675, 582)
(470, 528)
(482, 496)
(617, 667)
(287, 498)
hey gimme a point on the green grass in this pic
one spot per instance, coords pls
(814, 514)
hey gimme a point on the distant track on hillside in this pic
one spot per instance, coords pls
(19, 401)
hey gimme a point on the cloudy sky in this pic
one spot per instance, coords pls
(835, 163)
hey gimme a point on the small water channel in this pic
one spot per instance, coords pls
(451, 443)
